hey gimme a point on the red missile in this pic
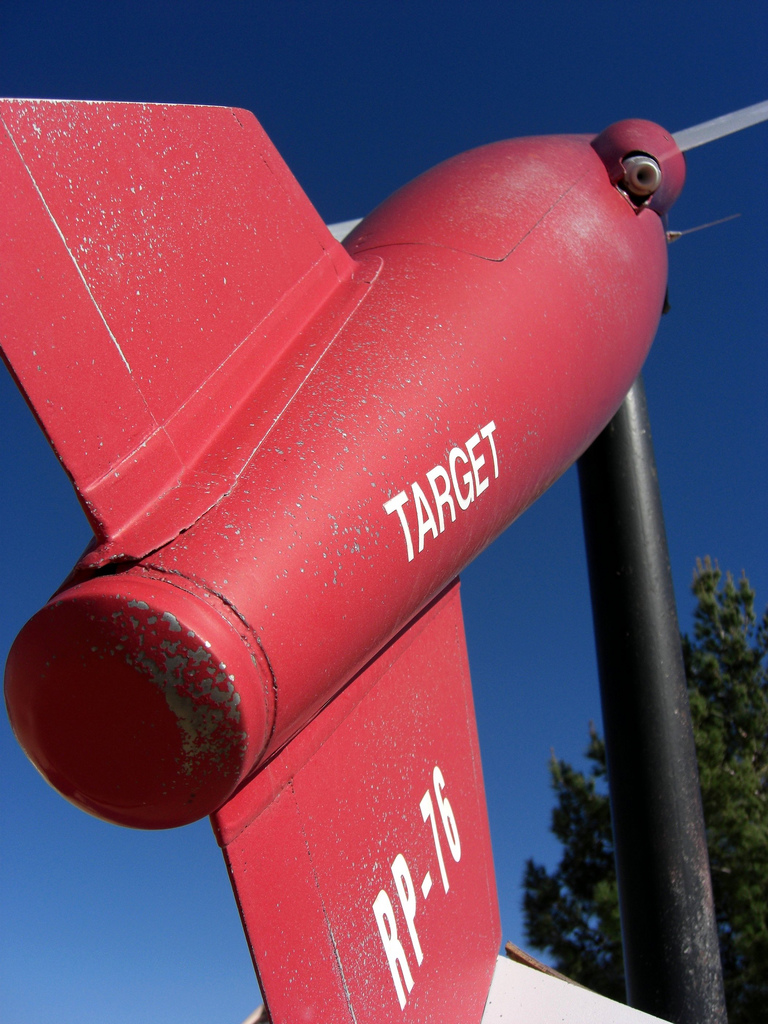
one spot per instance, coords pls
(288, 448)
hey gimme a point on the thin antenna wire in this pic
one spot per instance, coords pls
(672, 236)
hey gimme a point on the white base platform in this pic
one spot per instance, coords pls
(522, 995)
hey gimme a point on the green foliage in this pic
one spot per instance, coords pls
(572, 913)
(727, 669)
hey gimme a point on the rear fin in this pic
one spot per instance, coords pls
(154, 260)
(360, 855)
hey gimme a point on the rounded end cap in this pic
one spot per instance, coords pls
(138, 701)
(637, 137)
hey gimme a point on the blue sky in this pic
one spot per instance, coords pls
(105, 924)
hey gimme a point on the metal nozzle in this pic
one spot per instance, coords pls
(642, 175)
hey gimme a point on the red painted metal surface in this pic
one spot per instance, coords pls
(156, 257)
(284, 446)
(102, 638)
(316, 841)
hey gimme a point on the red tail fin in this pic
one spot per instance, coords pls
(361, 856)
(176, 247)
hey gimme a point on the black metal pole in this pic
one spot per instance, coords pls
(669, 933)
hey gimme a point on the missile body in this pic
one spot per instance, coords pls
(496, 313)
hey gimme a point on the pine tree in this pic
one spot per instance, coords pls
(727, 670)
(572, 913)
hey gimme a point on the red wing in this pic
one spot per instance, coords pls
(154, 261)
(381, 795)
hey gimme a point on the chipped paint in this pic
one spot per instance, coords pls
(172, 621)
(201, 708)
